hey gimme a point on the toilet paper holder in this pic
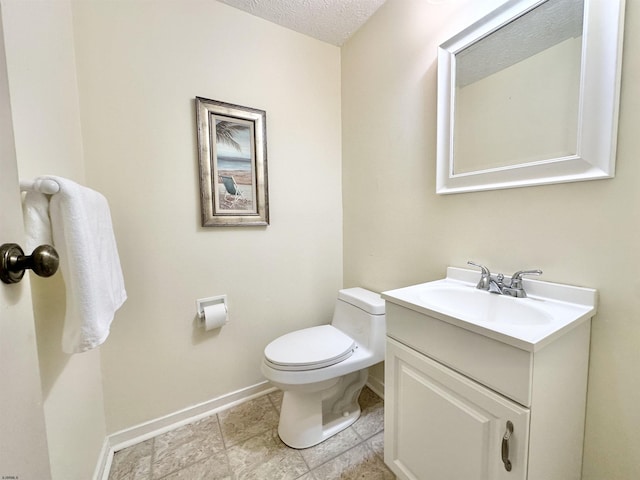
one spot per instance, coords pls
(201, 303)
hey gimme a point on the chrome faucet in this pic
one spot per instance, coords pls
(495, 283)
(515, 288)
(485, 276)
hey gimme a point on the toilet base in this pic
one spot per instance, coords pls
(308, 418)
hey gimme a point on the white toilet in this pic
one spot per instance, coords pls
(323, 369)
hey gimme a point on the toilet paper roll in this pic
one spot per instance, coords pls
(215, 316)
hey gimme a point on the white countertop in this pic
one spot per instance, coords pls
(549, 311)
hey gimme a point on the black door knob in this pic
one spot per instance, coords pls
(43, 261)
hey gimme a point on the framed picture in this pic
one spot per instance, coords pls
(232, 151)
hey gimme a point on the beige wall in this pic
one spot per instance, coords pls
(46, 116)
(398, 231)
(140, 66)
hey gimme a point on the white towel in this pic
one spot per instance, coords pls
(37, 226)
(83, 236)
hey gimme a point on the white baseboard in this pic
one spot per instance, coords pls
(144, 431)
(103, 467)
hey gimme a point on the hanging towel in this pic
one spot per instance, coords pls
(37, 226)
(83, 235)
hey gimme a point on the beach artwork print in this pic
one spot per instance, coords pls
(235, 185)
(233, 164)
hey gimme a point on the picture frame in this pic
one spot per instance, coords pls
(232, 157)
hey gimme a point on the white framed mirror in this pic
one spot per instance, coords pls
(529, 95)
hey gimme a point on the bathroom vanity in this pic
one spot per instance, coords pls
(486, 387)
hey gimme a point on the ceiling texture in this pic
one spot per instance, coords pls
(332, 21)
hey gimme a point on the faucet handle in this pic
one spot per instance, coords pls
(485, 276)
(516, 278)
(485, 270)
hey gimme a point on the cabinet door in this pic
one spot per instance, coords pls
(440, 425)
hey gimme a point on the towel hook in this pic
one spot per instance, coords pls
(43, 261)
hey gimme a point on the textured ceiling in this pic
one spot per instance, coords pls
(332, 21)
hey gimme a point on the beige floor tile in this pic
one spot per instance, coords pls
(133, 463)
(330, 448)
(215, 467)
(307, 476)
(186, 445)
(276, 398)
(248, 419)
(376, 443)
(265, 457)
(371, 419)
(242, 444)
(358, 463)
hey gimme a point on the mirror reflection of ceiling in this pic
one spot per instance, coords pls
(520, 39)
(332, 21)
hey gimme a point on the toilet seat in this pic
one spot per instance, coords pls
(309, 349)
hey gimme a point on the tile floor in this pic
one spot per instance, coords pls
(243, 443)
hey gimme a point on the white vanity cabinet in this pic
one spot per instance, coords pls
(443, 425)
(454, 391)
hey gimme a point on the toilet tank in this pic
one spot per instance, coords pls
(360, 314)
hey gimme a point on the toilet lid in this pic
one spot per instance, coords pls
(310, 348)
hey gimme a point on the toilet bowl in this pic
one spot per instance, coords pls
(322, 369)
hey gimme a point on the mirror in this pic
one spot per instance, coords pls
(528, 95)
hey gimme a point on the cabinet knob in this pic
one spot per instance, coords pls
(44, 261)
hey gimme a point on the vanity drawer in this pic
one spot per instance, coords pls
(501, 367)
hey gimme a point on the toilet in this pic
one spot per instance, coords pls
(322, 369)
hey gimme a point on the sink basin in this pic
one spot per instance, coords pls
(549, 310)
(470, 303)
